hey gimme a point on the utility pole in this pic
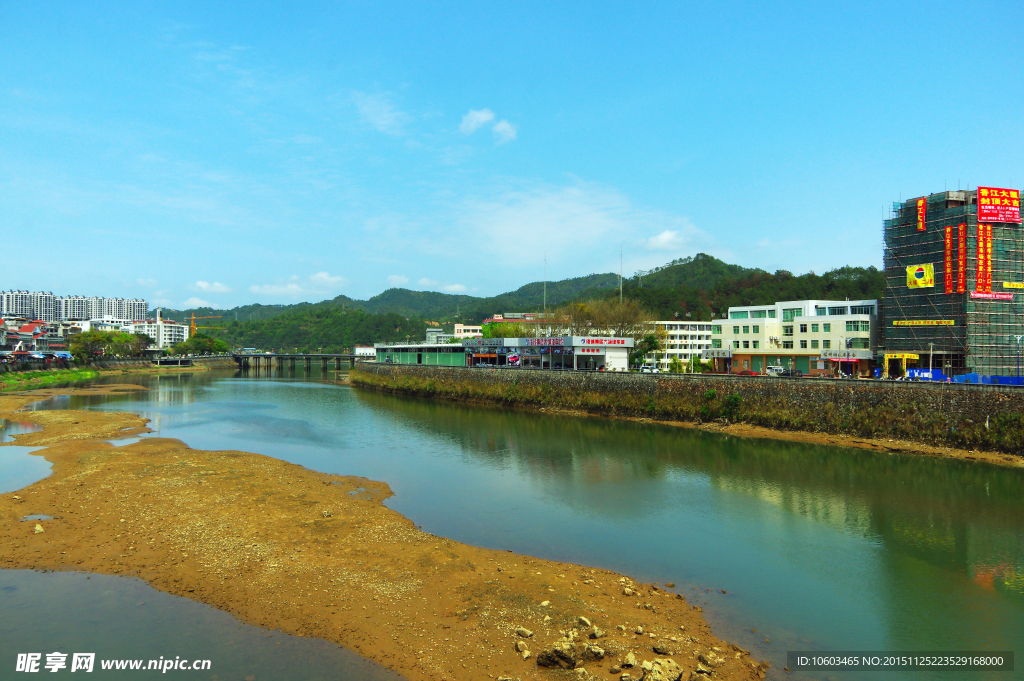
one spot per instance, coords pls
(620, 275)
(931, 352)
(1018, 357)
(545, 284)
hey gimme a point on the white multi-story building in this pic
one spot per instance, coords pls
(811, 336)
(165, 332)
(680, 340)
(44, 306)
(466, 331)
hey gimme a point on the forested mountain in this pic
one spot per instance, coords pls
(323, 329)
(696, 288)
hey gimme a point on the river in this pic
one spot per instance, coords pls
(786, 546)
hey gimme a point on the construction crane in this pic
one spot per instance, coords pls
(192, 324)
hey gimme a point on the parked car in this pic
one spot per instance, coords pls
(648, 369)
(792, 373)
(748, 372)
(773, 370)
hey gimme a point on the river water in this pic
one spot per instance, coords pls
(815, 547)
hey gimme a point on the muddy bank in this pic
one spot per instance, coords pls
(311, 554)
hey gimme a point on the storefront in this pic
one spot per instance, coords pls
(558, 352)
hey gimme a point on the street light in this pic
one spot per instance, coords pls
(1018, 357)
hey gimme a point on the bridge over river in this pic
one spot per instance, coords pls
(267, 360)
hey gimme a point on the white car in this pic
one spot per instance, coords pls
(648, 369)
(772, 370)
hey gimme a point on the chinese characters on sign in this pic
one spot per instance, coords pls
(29, 662)
(949, 259)
(922, 209)
(961, 256)
(998, 205)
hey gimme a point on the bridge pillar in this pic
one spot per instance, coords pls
(337, 363)
(309, 364)
(323, 364)
(293, 363)
(351, 362)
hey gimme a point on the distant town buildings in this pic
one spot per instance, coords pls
(46, 307)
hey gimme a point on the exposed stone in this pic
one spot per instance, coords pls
(561, 654)
(596, 632)
(547, 618)
(710, 659)
(663, 670)
(584, 622)
(627, 591)
(620, 627)
(625, 677)
(639, 630)
(592, 652)
(662, 649)
(520, 646)
(630, 661)
(545, 604)
(614, 669)
(525, 654)
(647, 666)
(524, 632)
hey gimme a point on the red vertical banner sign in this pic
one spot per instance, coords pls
(922, 209)
(948, 270)
(979, 267)
(961, 259)
(988, 258)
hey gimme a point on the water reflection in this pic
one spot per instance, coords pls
(121, 618)
(818, 547)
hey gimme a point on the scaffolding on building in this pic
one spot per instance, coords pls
(976, 334)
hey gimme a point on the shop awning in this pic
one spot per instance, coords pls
(843, 359)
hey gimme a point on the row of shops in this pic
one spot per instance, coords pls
(558, 352)
(825, 363)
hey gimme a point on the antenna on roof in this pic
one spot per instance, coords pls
(545, 282)
(620, 274)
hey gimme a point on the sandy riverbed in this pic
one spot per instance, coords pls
(284, 547)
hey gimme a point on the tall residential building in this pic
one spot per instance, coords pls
(954, 274)
(45, 306)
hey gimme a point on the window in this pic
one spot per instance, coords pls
(758, 314)
(803, 328)
(771, 314)
(746, 345)
(787, 345)
(820, 311)
(736, 344)
(826, 344)
(716, 328)
(791, 314)
(757, 329)
(862, 309)
(787, 331)
(837, 310)
(738, 315)
(717, 343)
(803, 345)
(865, 326)
(814, 328)
(746, 329)
(858, 326)
(860, 343)
(827, 328)
(814, 345)
(756, 344)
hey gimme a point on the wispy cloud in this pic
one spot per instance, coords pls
(474, 119)
(195, 302)
(321, 283)
(397, 280)
(504, 132)
(215, 287)
(146, 282)
(668, 240)
(454, 288)
(427, 283)
(378, 111)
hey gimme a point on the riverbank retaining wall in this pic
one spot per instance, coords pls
(983, 416)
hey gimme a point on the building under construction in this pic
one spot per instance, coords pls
(954, 274)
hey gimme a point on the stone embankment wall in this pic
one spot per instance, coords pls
(948, 414)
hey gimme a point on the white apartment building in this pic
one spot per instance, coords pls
(680, 340)
(812, 336)
(45, 306)
(466, 331)
(166, 332)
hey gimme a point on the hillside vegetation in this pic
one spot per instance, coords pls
(323, 329)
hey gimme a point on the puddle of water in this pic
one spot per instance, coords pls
(118, 618)
(9, 428)
(18, 468)
(124, 442)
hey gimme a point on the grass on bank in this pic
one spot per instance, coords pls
(22, 380)
(904, 419)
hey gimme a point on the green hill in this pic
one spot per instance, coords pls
(321, 328)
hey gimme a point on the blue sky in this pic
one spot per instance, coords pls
(275, 152)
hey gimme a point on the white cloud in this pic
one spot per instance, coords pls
(455, 288)
(215, 287)
(669, 240)
(195, 302)
(319, 284)
(427, 283)
(278, 290)
(397, 280)
(379, 112)
(504, 132)
(326, 280)
(474, 119)
(146, 282)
